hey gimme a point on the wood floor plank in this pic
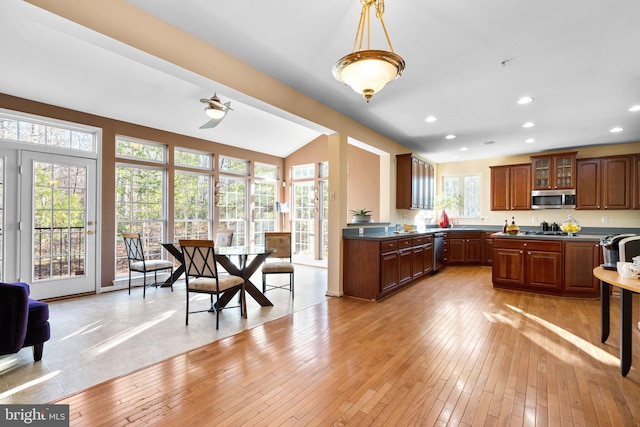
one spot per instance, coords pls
(449, 350)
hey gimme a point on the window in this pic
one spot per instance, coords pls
(140, 150)
(140, 197)
(46, 134)
(324, 170)
(192, 159)
(236, 166)
(232, 207)
(303, 171)
(191, 201)
(461, 195)
(268, 172)
(264, 215)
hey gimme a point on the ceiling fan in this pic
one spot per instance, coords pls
(215, 109)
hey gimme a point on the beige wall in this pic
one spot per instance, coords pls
(587, 218)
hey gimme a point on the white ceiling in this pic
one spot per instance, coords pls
(468, 62)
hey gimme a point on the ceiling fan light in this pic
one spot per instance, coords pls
(214, 113)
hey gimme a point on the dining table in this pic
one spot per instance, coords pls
(628, 287)
(249, 258)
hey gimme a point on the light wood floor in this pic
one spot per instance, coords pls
(449, 350)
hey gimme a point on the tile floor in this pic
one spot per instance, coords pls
(98, 337)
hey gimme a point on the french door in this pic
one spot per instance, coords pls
(57, 241)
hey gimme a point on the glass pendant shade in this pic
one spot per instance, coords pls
(214, 113)
(368, 71)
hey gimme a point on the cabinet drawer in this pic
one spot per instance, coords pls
(417, 241)
(532, 245)
(388, 246)
(405, 243)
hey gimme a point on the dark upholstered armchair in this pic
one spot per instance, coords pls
(24, 322)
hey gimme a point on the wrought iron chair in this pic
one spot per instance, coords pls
(201, 276)
(281, 242)
(138, 262)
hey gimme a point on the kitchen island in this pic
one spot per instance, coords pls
(378, 264)
(549, 264)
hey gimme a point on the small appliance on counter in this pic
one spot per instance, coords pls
(611, 250)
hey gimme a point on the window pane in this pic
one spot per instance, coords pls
(261, 170)
(471, 198)
(303, 171)
(324, 170)
(140, 150)
(193, 159)
(45, 134)
(264, 214)
(228, 164)
(192, 193)
(232, 207)
(139, 209)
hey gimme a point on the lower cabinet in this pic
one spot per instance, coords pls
(558, 267)
(374, 268)
(465, 247)
(534, 265)
(580, 258)
(487, 248)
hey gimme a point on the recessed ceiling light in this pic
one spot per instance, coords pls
(463, 149)
(525, 100)
(430, 119)
(530, 140)
(450, 136)
(528, 125)
(634, 108)
(488, 142)
(615, 130)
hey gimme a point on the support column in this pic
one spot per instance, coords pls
(338, 145)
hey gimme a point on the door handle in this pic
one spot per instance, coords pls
(89, 232)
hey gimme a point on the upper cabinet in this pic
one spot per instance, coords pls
(511, 187)
(636, 182)
(604, 183)
(415, 182)
(553, 171)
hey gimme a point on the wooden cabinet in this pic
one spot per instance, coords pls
(580, 258)
(511, 187)
(405, 260)
(635, 203)
(415, 182)
(487, 248)
(428, 255)
(553, 172)
(388, 266)
(417, 257)
(376, 268)
(604, 183)
(534, 265)
(465, 247)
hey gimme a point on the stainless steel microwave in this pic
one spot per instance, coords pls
(553, 199)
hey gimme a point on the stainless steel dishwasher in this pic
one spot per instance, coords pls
(438, 251)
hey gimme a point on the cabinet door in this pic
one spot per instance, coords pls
(456, 250)
(616, 180)
(417, 266)
(564, 171)
(500, 192)
(487, 252)
(580, 258)
(542, 169)
(404, 266)
(508, 266)
(388, 271)
(473, 251)
(428, 257)
(544, 270)
(520, 191)
(588, 184)
(636, 183)
(415, 183)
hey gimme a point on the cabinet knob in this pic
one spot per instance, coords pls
(521, 252)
